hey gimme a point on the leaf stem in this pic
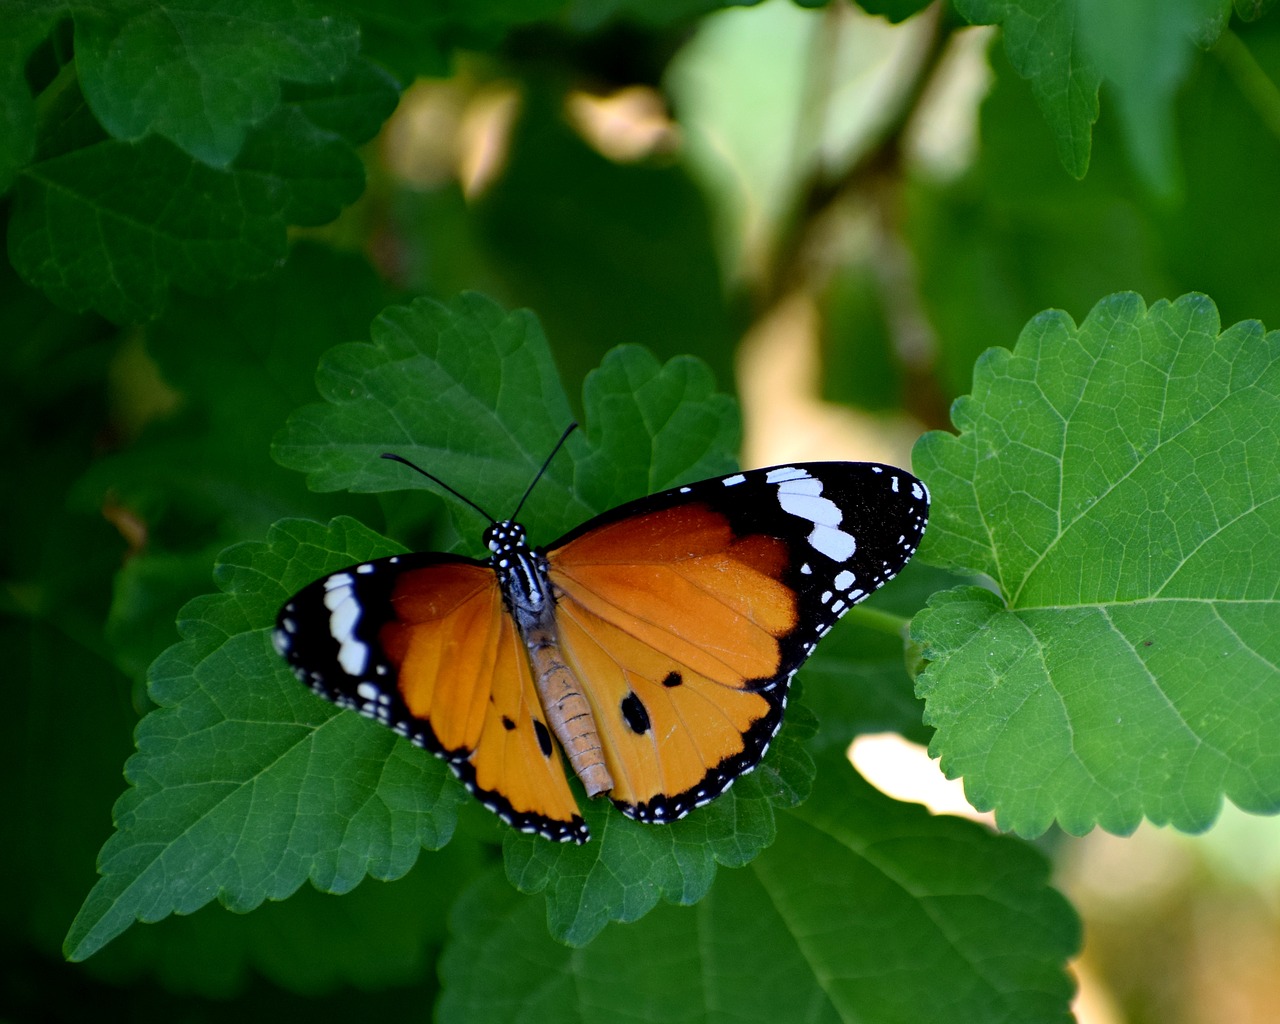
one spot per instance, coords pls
(881, 621)
(1254, 83)
(66, 78)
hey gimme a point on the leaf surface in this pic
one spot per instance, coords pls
(864, 909)
(1117, 482)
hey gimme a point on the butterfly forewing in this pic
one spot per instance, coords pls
(690, 611)
(423, 644)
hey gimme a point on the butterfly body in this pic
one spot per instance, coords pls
(530, 598)
(655, 643)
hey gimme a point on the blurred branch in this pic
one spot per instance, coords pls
(1254, 83)
(875, 176)
(882, 161)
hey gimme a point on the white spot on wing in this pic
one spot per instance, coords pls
(808, 504)
(835, 544)
(344, 613)
(800, 495)
(732, 481)
(844, 580)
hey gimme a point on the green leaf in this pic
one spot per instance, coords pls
(593, 13)
(1145, 49)
(864, 909)
(245, 785)
(25, 25)
(109, 225)
(1041, 38)
(381, 935)
(893, 10)
(1252, 10)
(199, 73)
(1117, 482)
(623, 876)
(470, 391)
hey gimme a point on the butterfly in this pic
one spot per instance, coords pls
(652, 646)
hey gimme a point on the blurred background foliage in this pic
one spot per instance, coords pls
(837, 207)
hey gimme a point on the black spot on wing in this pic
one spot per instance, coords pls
(508, 724)
(635, 714)
(672, 679)
(544, 737)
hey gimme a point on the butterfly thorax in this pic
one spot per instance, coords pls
(526, 585)
(522, 573)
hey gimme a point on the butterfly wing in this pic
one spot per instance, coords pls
(684, 615)
(424, 645)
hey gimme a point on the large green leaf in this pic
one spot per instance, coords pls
(864, 909)
(1065, 48)
(200, 73)
(1117, 482)
(1042, 40)
(25, 25)
(470, 391)
(100, 223)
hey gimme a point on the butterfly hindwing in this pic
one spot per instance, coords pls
(423, 644)
(685, 614)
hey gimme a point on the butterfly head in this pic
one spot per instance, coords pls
(505, 539)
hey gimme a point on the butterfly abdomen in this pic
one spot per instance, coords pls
(568, 712)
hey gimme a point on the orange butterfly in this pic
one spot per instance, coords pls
(655, 642)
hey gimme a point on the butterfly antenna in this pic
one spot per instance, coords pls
(538, 476)
(435, 479)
